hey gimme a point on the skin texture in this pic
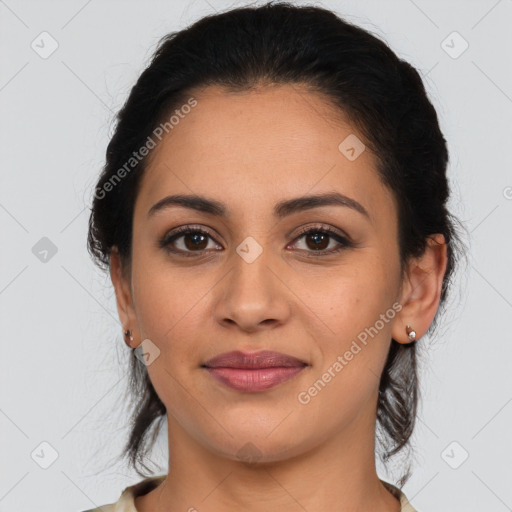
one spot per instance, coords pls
(249, 151)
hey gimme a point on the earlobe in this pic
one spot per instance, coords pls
(421, 291)
(411, 333)
(128, 338)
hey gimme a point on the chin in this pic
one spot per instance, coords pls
(254, 447)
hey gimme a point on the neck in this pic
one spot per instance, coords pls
(337, 475)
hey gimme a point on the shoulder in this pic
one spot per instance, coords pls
(104, 508)
(404, 502)
(126, 501)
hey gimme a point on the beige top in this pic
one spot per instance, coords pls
(126, 502)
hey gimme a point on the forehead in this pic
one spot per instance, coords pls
(275, 142)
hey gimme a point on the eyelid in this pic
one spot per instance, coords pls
(175, 233)
(320, 226)
(344, 242)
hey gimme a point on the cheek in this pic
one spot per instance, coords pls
(168, 310)
(170, 313)
(354, 351)
(166, 298)
(356, 316)
(347, 303)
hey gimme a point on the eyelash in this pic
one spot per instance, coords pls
(186, 230)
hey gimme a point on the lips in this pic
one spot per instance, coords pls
(253, 372)
(264, 359)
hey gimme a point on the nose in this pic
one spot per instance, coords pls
(253, 297)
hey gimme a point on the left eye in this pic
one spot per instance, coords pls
(318, 240)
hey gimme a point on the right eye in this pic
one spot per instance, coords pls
(186, 240)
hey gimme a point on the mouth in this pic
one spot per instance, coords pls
(253, 372)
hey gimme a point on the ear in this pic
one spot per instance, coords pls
(421, 290)
(121, 282)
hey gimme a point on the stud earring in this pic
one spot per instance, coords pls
(128, 337)
(411, 333)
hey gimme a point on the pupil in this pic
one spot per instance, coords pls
(196, 237)
(318, 238)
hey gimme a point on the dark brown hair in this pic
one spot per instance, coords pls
(384, 96)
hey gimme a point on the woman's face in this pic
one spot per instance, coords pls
(249, 280)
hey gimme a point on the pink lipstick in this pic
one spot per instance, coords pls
(253, 372)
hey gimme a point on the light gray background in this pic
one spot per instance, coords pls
(63, 364)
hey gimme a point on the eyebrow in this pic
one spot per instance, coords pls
(281, 209)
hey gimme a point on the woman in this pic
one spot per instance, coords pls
(273, 216)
